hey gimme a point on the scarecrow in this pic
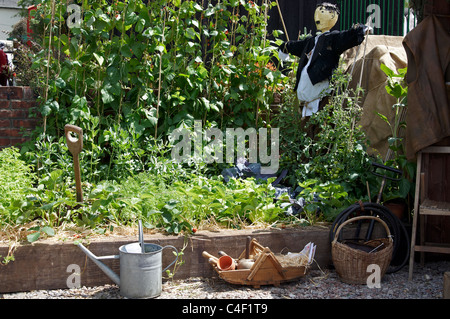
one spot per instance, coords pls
(319, 56)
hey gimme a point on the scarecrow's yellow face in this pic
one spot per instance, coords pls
(325, 19)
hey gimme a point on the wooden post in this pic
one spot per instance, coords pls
(446, 293)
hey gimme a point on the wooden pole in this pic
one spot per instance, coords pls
(282, 21)
(447, 285)
(48, 59)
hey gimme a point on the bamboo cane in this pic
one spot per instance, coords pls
(159, 79)
(48, 59)
(282, 20)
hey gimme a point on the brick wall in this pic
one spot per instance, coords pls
(17, 105)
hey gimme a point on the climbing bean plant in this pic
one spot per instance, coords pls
(148, 67)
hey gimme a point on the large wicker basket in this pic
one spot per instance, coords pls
(351, 264)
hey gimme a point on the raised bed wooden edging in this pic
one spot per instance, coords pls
(45, 264)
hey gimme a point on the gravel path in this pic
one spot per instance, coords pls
(317, 284)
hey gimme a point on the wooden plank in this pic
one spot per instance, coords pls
(434, 201)
(44, 265)
(267, 273)
(438, 174)
(438, 208)
(437, 150)
(438, 180)
(433, 211)
(433, 249)
(438, 205)
(415, 216)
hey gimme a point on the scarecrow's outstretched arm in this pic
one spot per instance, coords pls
(350, 38)
(293, 47)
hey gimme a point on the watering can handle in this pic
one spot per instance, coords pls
(176, 258)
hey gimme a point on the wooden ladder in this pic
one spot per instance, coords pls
(423, 207)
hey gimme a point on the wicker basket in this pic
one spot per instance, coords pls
(351, 264)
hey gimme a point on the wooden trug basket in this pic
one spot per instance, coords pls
(267, 269)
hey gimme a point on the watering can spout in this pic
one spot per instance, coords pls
(111, 274)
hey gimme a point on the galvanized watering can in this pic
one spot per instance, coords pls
(140, 267)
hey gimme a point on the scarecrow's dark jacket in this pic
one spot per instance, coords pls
(325, 60)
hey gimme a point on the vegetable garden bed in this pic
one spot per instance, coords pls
(50, 264)
(125, 77)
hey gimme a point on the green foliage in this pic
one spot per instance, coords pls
(326, 155)
(397, 88)
(328, 198)
(185, 204)
(15, 178)
(38, 231)
(230, 204)
(132, 70)
(168, 198)
(130, 74)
